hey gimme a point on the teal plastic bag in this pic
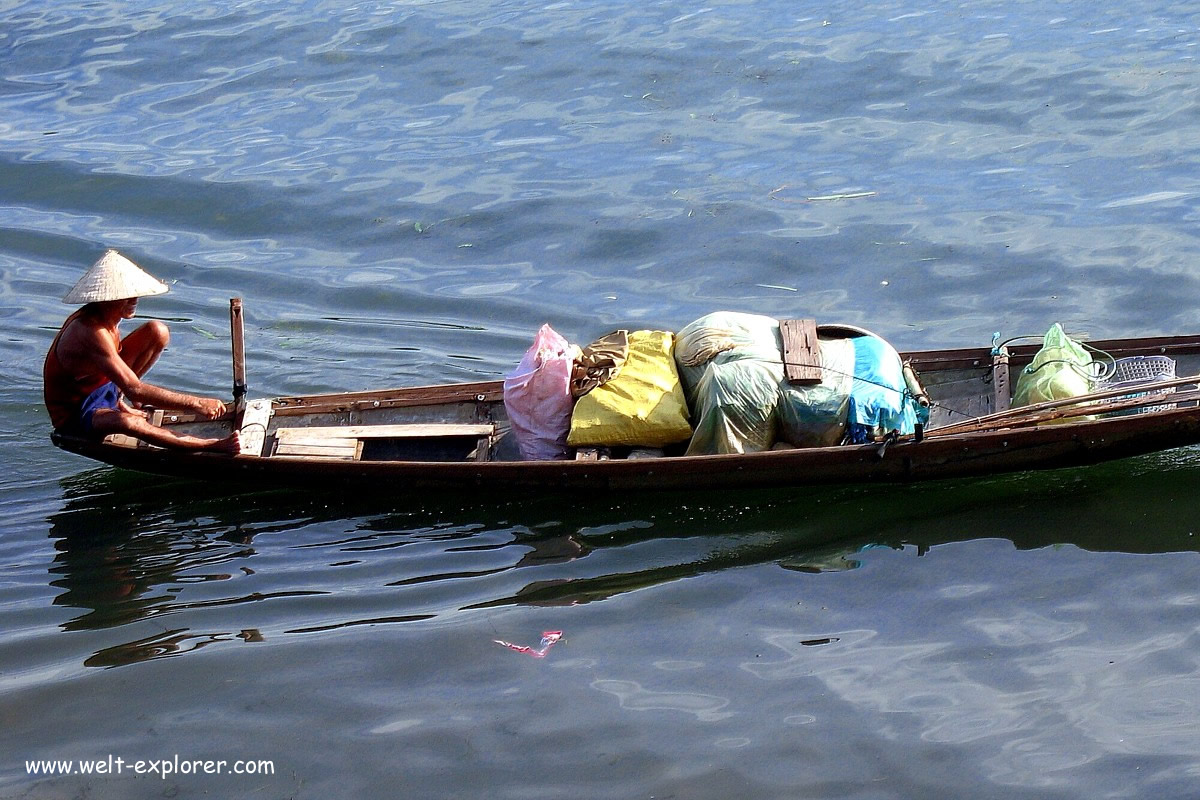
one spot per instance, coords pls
(1061, 369)
(879, 400)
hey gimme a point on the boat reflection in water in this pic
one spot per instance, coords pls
(168, 569)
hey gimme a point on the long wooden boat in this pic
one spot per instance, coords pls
(457, 437)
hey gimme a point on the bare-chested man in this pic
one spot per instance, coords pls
(92, 375)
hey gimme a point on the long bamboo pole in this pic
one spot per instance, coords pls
(1080, 405)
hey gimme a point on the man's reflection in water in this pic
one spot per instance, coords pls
(122, 556)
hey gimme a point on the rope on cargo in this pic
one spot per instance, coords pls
(1106, 367)
(903, 392)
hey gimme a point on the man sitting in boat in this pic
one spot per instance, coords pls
(91, 370)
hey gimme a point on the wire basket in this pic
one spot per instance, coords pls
(1139, 372)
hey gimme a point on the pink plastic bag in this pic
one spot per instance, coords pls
(537, 396)
(548, 640)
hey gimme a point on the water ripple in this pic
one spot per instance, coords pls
(403, 192)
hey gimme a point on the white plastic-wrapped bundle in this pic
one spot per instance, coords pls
(732, 370)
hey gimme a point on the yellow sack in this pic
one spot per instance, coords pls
(643, 406)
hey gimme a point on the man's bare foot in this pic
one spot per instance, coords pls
(231, 445)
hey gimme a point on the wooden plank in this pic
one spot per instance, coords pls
(979, 405)
(345, 449)
(404, 431)
(122, 440)
(1000, 380)
(801, 351)
(254, 427)
(486, 391)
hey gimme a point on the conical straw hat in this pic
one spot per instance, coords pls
(114, 277)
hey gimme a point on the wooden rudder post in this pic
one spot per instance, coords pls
(238, 335)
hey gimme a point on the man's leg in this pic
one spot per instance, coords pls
(142, 347)
(113, 420)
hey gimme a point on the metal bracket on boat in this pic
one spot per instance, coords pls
(890, 437)
(483, 409)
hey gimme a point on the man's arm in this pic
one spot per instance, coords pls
(105, 359)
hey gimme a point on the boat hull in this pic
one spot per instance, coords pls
(968, 455)
(956, 379)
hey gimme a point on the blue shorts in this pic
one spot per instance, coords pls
(105, 396)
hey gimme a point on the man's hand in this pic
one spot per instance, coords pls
(209, 407)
